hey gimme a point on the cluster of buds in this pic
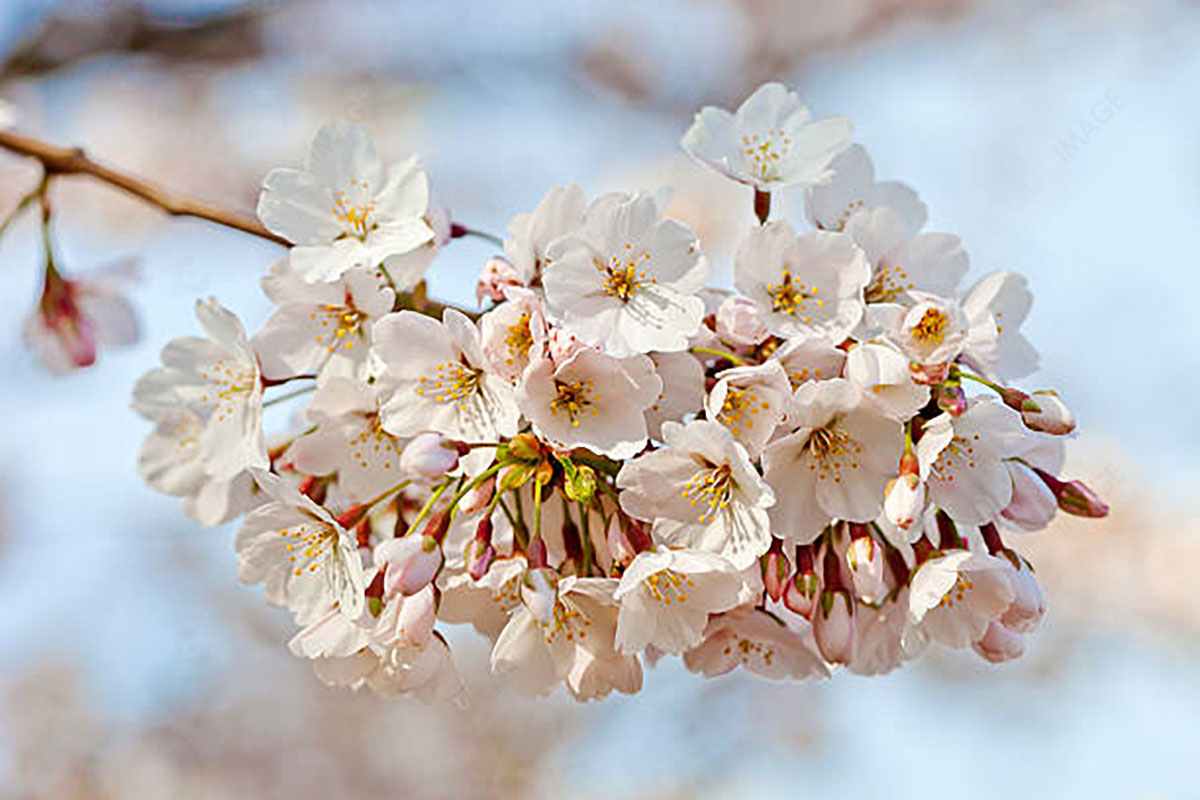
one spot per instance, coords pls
(611, 462)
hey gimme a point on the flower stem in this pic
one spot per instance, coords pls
(289, 395)
(457, 231)
(725, 354)
(425, 509)
(762, 206)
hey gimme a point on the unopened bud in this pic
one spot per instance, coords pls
(582, 485)
(951, 398)
(776, 571)
(477, 498)
(740, 321)
(417, 617)
(1018, 401)
(619, 546)
(479, 551)
(525, 447)
(833, 627)
(800, 595)
(1029, 603)
(1052, 415)
(410, 563)
(514, 476)
(1074, 497)
(429, 456)
(536, 553)
(904, 500)
(1033, 505)
(999, 644)
(865, 559)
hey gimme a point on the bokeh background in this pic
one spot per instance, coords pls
(1060, 138)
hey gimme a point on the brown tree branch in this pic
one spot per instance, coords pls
(57, 160)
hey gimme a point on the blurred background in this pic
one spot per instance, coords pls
(1060, 138)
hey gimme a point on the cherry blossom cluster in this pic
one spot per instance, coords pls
(612, 462)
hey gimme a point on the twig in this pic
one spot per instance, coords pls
(57, 160)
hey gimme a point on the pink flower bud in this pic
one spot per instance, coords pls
(477, 498)
(1000, 644)
(1051, 416)
(411, 563)
(1029, 604)
(619, 545)
(740, 321)
(776, 571)
(417, 616)
(865, 559)
(904, 500)
(429, 456)
(1074, 497)
(833, 627)
(951, 398)
(479, 551)
(496, 274)
(801, 594)
(539, 593)
(1033, 505)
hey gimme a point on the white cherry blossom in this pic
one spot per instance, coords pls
(627, 281)
(834, 465)
(902, 261)
(954, 597)
(750, 402)
(770, 142)
(682, 393)
(344, 209)
(854, 189)
(514, 333)
(435, 378)
(962, 460)
(306, 559)
(590, 400)
(666, 596)
(320, 328)
(217, 379)
(809, 285)
(561, 212)
(996, 307)
(756, 641)
(701, 491)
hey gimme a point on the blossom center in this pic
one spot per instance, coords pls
(833, 453)
(669, 586)
(888, 284)
(789, 297)
(373, 443)
(710, 490)
(309, 546)
(740, 407)
(625, 273)
(765, 150)
(346, 322)
(574, 399)
(519, 339)
(354, 217)
(570, 623)
(454, 382)
(957, 593)
(228, 380)
(932, 328)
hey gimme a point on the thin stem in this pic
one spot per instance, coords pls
(476, 481)
(425, 509)
(458, 230)
(993, 386)
(289, 395)
(537, 508)
(585, 539)
(519, 532)
(379, 498)
(712, 351)
(19, 209)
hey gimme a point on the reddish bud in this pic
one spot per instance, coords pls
(776, 571)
